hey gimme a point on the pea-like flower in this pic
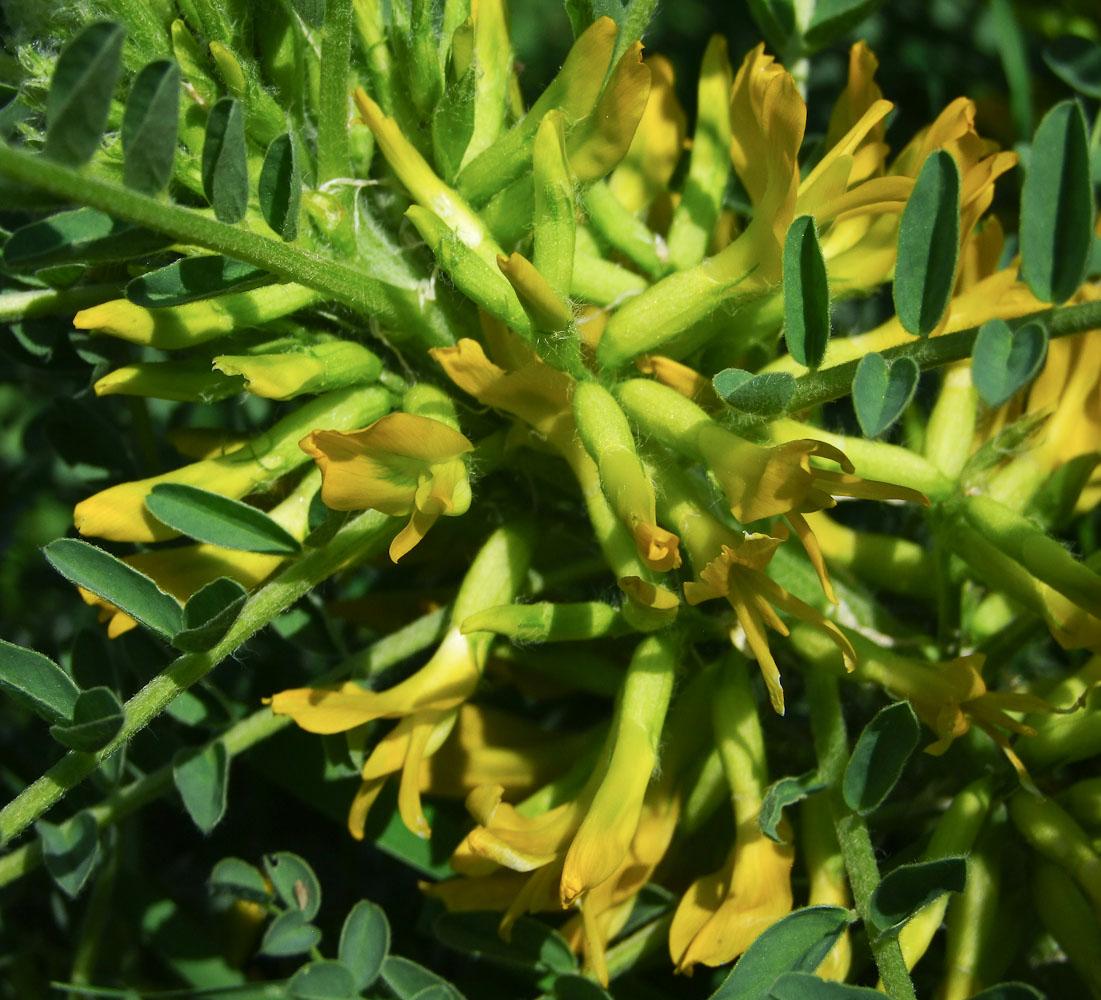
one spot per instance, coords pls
(401, 464)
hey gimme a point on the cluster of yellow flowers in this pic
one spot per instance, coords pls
(597, 345)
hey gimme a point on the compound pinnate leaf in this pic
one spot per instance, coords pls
(1004, 360)
(116, 582)
(906, 889)
(80, 93)
(364, 942)
(192, 278)
(1057, 206)
(880, 754)
(201, 777)
(218, 520)
(882, 390)
(97, 717)
(150, 125)
(295, 882)
(928, 245)
(323, 980)
(70, 851)
(280, 187)
(806, 294)
(797, 943)
(225, 161)
(38, 682)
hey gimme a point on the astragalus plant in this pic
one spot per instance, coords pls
(540, 459)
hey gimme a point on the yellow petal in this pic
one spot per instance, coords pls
(447, 680)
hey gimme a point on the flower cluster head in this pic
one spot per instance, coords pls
(647, 560)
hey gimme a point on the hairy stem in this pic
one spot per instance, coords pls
(933, 352)
(332, 124)
(359, 538)
(832, 748)
(393, 306)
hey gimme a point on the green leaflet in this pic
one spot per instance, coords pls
(80, 93)
(239, 880)
(114, 581)
(225, 161)
(881, 390)
(192, 278)
(781, 794)
(208, 615)
(906, 889)
(364, 942)
(84, 235)
(290, 933)
(218, 520)
(804, 986)
(797, 943)
(762, 395)
(201, 777)
(1057, 206)
(928, 245)
(806, 294)
(38, 682)
(98, 716)
(1077, 62)
(150, 125)
(834, 18)
(280, 187)
(406, 979)
(880, 754)
(70, 851)
(1005, 360)
(295, 882)
(322, 980)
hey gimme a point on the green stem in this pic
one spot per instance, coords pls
(356, 539)
(832, 748)
(332, 119)
(241, 736)
(393, 306)
(933, 352)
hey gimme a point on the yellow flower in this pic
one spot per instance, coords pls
(722, 914)
(541, 397)
(652, 157)
(757, 481)
(401, 464)
(119, 514)
(951, 697)
(427, 703)
(490, 747)
(738, 575)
